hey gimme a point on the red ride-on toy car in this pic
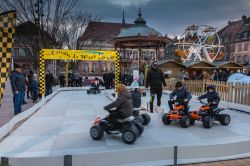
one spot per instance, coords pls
(178, 113)
(207, 116)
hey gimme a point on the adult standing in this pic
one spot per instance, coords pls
(49, 79)
(18, 88)
(141, 79)
(181, 75)
(155, 80)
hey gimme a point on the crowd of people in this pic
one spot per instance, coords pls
(24, 85)
(108, 80)
(216, 75)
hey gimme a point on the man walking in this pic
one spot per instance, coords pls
(18, 88)
(155, 80)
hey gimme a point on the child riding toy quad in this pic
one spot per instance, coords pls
(178, 113)
(128, 127)
(94, 87)
(207, 115)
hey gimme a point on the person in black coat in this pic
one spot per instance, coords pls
(49, 79)
(17, 80)
(155, 80)
(183, 96)
(213, 98)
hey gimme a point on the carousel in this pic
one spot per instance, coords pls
(139, 45)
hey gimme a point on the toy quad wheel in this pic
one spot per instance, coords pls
(96, 132)
(140, 127)
(165, 119)
(144, 94)
(99, 91)
(88, 91)
(185, 121)
(130, 134)
(224, 119)
(145, 119)
(207, 122)
(192, 121)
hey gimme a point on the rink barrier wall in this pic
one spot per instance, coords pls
(162, 155)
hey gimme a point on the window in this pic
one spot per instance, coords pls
(244, 35)
(135, 55)
(239, 47)
(112, 67)
(104, 67)
(245, 46)
(85, 67)
(237, 36)
(94, 67)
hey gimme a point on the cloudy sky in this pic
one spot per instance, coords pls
(171, 16)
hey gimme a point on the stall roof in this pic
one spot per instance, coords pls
(165, 62)
(199, 64)
(227, 64)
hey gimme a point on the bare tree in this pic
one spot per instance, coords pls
(60, 22)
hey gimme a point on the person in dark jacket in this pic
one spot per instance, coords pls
(213, 98)
(123, 105)
(18, 88)
(62, 80)
(49, 79)
(155, 80)
(136, 95)
(182, 95)
(33, 85)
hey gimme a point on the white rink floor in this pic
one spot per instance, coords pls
(62, 126)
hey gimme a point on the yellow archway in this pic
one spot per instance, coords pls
(82, 55)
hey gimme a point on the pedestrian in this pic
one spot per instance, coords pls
(80, 80)
(215, 76)
(18, 88)
(141, 79)
(49, 79)
(61, 80)
(180, 76)
(30, 75)
(104, 76)
(206, 76)
(33, 85)
(155, 80)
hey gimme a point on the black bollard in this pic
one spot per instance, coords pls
(67, 160)
(175, 155)
(4, 161)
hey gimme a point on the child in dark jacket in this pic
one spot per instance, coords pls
(136, 97)
(213, 98)
(182, 95)
(123, 105)
(33, 85)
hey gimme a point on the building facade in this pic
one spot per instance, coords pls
(235, 38)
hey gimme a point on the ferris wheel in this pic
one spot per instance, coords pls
(199, 42)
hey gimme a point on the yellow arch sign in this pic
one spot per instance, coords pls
(82, 55)
(90, 55)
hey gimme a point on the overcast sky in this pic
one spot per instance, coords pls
(171, 16)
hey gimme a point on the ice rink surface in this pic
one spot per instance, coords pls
(62, 126)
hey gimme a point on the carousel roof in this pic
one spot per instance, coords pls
(139, 29)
